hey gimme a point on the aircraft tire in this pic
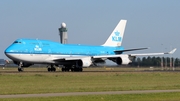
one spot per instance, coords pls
(20, 69)
(54, 69)
(49, 69)
(67, 69)
(72, 69)
(63, 69)
(80, 69)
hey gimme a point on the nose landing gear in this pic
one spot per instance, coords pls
(20, 69)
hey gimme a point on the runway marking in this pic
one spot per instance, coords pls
(85, 93)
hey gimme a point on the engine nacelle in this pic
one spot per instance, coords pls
(84, 62)
(123, 60)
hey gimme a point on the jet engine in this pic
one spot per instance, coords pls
(122, 60)
(84, 62)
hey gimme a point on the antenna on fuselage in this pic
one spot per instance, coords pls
(63, 33)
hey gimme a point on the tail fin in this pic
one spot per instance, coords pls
(116, 37)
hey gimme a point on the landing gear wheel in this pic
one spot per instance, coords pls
(51, 69)
(71, 68)
(65, 69)
(20, 69)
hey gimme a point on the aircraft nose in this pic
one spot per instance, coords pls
(8, 51)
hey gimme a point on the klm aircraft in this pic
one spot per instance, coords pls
(73, 57)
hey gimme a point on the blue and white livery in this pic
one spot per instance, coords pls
(73, 57)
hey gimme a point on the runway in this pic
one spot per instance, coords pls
(89, 71)
(85, 93)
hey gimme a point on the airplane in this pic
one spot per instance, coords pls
(73, 57)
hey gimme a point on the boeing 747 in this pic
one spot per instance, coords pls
(73, 57)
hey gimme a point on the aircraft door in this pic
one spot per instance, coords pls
(49, 52)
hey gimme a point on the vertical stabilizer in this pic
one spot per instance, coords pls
(116, 37)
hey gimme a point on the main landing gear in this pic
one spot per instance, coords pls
(51, 69)
(73, 68)
(65, 68)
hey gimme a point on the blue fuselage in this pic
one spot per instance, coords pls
(35, 46)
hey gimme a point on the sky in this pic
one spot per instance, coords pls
(150, 23)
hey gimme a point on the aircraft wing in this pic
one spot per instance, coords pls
(59, 58)
(121, 51)
(141, 54)
(153, 54)
(107, 56)
(76, 58)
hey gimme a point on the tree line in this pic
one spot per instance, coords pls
(156, 62)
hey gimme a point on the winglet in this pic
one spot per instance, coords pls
(171, 52)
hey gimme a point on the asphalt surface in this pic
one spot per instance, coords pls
(85, 93)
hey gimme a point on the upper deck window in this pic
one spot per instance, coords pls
(19, 42)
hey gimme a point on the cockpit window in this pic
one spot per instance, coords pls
(18, 42)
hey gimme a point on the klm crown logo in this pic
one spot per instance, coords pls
(116, 37)
(117, 33)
